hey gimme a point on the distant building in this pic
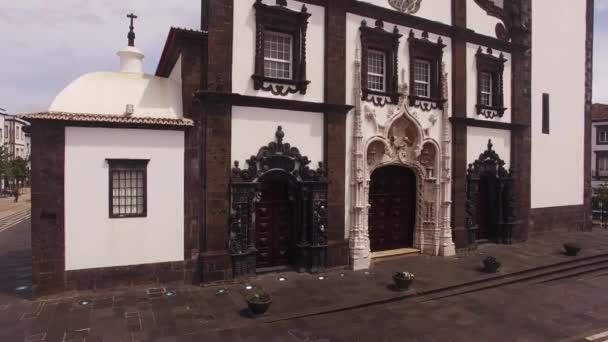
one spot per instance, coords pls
(599, 152)
(14, 137)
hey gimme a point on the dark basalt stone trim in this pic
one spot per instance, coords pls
(178, 272)
(395, 17)
(587, 223)
(173, 47)
(564, 218)
(271, 103)
(470, 122)
(424, 49)
(495, 66)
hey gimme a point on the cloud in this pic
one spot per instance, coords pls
(601, 5)
(47, 44)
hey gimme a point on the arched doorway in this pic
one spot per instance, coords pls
(392, 213)
(273, 224)
(278, 211)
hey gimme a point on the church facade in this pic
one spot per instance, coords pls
(316, 134)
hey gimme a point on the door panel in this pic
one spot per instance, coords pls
(392, 215)
(272, 226)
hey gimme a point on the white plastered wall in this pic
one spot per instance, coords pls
(243, 66)
(176, 73)
(94, 240)
(558, 68)
(436, 10)
(479, 21)
(253, 128)
(353, 43)
(477, 143)
(472, 84)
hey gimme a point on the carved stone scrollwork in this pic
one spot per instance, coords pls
(307, 197)
(502, 209)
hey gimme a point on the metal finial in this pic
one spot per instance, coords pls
(490, 145)
(280, 135)
(131, 34)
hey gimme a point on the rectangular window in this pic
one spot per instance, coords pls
(6, 132)
(422, 78)
(485, 88)
(277, 55)
(128, 188)
(602, 164)
(376, 70)
(546, 112)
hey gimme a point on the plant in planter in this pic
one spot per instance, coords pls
(403, 280)
(491, 265)
(572, 249)
(258, 302)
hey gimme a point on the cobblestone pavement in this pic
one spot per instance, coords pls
(343, 306)
(12, 213)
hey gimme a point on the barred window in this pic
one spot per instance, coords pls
(277, 55)
(422, 78)
(485, 88)
(376, 70)
(128, 188)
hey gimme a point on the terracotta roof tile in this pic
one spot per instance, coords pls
(107, 118)
(599, 112)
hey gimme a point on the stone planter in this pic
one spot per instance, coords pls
(402, 283)
(258, 304)
(490, 265)
(572, 249)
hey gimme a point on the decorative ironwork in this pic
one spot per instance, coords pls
(502, 217)
(307, 195)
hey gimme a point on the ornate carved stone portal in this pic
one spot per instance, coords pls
(279, 161)
(401, 140)
(490, 207)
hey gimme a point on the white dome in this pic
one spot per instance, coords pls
(111, 92)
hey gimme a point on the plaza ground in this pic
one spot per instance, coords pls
(539, 295)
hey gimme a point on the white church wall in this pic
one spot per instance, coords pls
(94, 240)
(370, 127)
(176, 72)
(110, 92)
(477, 143)
(253, 128)
(558, 65)
(472, 84)
(243, 65)
(479, 21)
(436, 10)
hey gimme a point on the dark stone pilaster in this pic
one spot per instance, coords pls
(521, 113)
(587, 224)
(459, 132)
(216, 121)
(48, 229)
(335, 128)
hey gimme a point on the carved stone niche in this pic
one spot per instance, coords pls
(308, 206)
(428, 159)
(376, 152)
(404, 138)
(281, 19)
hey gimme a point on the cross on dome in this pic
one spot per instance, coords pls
(131, 35)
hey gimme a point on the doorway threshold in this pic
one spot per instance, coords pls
(394, 252)
(274, 269)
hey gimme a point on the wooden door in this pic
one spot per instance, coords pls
(272, 225)
(487, 207)
(392, 215)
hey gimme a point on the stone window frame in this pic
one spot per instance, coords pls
(602, 128)
(432, 52)
(140, 165)
(377, 39)
(495, 66)
(280, 19)
(598, 155)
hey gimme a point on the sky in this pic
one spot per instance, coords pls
(44, 45)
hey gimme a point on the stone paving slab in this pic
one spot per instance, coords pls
(145, 313)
